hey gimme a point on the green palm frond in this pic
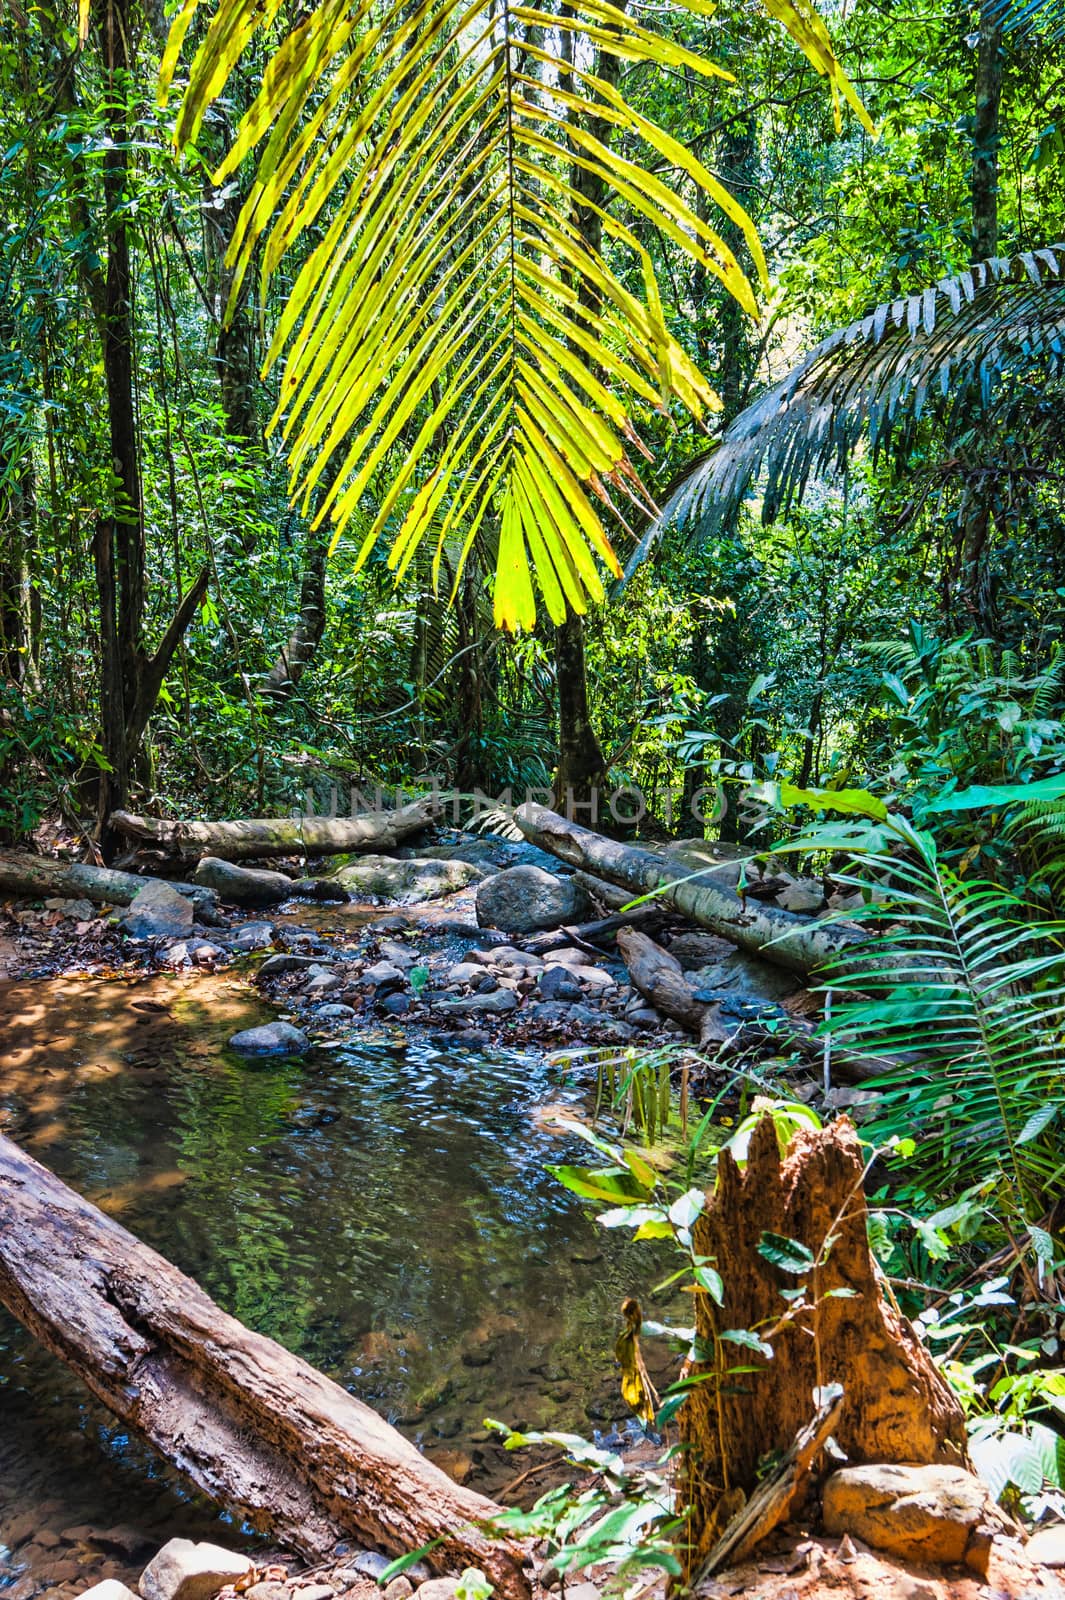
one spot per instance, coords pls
(965, 991)
(454, 316)
(872, 380)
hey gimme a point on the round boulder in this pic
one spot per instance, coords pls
(526, 899)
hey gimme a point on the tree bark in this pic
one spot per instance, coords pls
(280, 836)
(257, 1429)
(306, 635)
(40, 877)
(896, 1404)
(985, 136)
(581, 763)
(799, 943)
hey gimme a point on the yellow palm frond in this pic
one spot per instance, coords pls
(451, 318)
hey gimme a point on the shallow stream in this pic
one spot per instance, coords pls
(381, 1208)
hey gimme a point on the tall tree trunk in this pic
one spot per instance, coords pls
(985, 138)
(469, 769)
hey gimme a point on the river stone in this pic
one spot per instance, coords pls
(157, 912)
(558, 983)
(406, 882)
(78, 910)
(526, 899)
(276, 966)
(320, 983)
(109, 1589)
(938, 1515)
(494, 1000)
(186, 1571)
(252, 936)
(437, 1589)
(272, 1039)
(1046, 1547)
(243, 886)
(336, 1011)
(383, 975)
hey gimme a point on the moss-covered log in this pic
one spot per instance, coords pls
(801, 944)
(252, 837)
(39, 877)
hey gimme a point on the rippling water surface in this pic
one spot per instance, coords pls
(382, 1209)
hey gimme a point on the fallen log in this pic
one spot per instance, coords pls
(801, 944)
(660, 979)
(805, 1207)
(280, 836)
(257, 1429)
(38, 877)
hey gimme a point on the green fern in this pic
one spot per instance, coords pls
(965, 990)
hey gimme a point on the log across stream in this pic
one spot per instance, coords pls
(382, 1211)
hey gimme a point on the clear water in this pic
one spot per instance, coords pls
(381, 1209)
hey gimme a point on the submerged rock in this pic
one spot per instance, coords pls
(157, 911)
(526, 899)
(243, 886)
(186, 1571)
(252, 936)
(271, 1039)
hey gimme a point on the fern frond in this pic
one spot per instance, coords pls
(965, 989)
(905, 359)
(453, 318)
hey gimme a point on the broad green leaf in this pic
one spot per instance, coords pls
(791, 1255)
(601, 1183)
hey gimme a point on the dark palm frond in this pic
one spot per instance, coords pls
(1043, 19)
(906, 359)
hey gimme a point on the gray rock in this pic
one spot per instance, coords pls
(253, 936)
(1046, 1547)
(333, 1012)
(277, 966)
(465, 972)
(177, 955)
(739, 976)
(78, 910)
(643, 1017)
(267, 1591)
(242, 886)
(393, 1005)
(400, 955)
(406, 882)
(322, 983)
(157, 911)
(507, 957)
(371, 1564)
(203, 951)
(494, 1001)
(326, 889)
(400, 1588)
(272, 1039)
(525, 899)
(695, 950)
(186, 1571)
(383, 975)
(558, 983)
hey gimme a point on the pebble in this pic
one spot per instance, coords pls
(437, 1589)
(109, 1589)
(394, 1005)
(334, 1011)
(370, 1564)
(267, 1591)
(400, 1588)
(383, 974)
(323, 983)
(276, 966)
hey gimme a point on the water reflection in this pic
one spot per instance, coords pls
(382, 1211)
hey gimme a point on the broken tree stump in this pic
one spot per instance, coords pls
(257, 1429)
(279, 836)
(896, 1405)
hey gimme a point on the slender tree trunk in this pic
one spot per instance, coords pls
(306, 635)
(985, 138)
(469, 770)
